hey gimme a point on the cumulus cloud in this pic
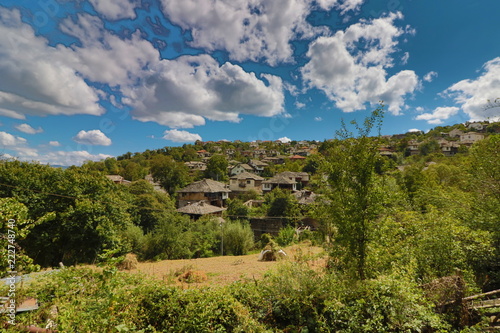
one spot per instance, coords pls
(94, 137)
(350, 66)
(38, 79)
(251, 29)
(116, 9)
(25, 128)
(68, 158)
(183, 92)
(430, 76)
(285, 139)
(475, 96)
(438, 115)
(54, 143)
(8, 140)
(413, 130)
(180, 136)
(318, 119)
(179, 93)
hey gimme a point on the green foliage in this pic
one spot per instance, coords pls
(281, 203)
(286, 236)
(165, 241)
(354, 195)
(313, 163)
(236, 209)
(238, 238)
(172, 175)
(88, 211)
(217, 168)
(297, 299)
(15, 227)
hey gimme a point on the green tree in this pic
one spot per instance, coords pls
(429, 147)
(170, 174)
(354, 195)
(281, 203)
(148, 205)
(217, 168)
(15, 227)
(134, 171)
(313, 163)
(238, 237)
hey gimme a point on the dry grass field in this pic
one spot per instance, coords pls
(227, 269)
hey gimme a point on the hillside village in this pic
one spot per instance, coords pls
(258, 167)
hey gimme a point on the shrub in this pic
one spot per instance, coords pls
(238, 238)
(286, 236)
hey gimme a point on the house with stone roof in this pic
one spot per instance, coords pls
(258, 166)
(245, 182)
(302, 178)
(211, 191)
(470, 138)
(200, 208)
(240, 168)
(280, 181)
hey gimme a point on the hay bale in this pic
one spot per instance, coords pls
(128, 263)
(193, 276)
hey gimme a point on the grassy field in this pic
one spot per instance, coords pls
(227, 269)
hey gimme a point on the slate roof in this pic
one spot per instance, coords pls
(303, 175)
(279, 179)
(200, 208)
(205, 186)
(247, 175)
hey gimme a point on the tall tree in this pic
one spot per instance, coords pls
(170, 174)
(217, 168)
(351, 169)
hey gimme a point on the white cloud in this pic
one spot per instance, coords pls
(183, 92)
(54, 143)
(8, 140)
(116, 9)
(285, 139)
(94, 137)
(405, 57)
(300, 105)
(68, 158)
(318, 119)
(474, 95)
(180, 136)
(430, 76)
(251, 29)
(419, 109)
(25, 128)
(178, 93)
(352, 75)
(438, 115)
(413, 130)
(38, 79)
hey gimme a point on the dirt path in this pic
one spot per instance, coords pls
(225, 270)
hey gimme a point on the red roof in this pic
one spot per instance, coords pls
(297, 157)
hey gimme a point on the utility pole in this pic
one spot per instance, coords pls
(222, 238)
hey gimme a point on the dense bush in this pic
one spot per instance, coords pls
(238, 238)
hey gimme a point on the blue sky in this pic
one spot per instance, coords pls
(84, 80)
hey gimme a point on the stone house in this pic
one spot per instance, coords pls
(244, 182)
(211, 191)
